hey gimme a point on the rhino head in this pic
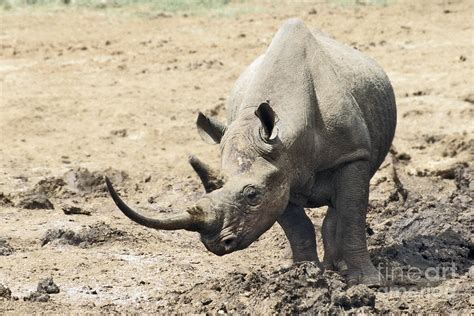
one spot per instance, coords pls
(246, 197)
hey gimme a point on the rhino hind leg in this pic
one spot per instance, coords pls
(351, 199)
(299, 230)
(332, 251)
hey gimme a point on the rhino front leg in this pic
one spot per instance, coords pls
(351, 199)
(299, 230)
(332, 251)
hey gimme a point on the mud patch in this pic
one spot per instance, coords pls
(5, 248)
(75, 182)
(355, 297)
(93, 235)
(425, 234)
(51, 187)
(5, 200)
(35, 201)
(5, 292)
(83, 181)
(302, 288)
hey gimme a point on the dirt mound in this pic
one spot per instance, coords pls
(33, 201)
(95, 234)
(83, 181)
(425, 233)
(51, 187)
(75, 182)
(5, 248)
(301, 288)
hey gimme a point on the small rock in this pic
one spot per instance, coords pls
(161, 15)
(403, 306)
(5, 200)
(74, 210)
(120, 132)
(5, 292)
(222, 310)
(404, 156)
(369, 230)
(419, 93)
(313, 11)
(469, 98)
(47, 286)
(37, 297)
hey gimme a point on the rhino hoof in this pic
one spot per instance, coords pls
(372, 279)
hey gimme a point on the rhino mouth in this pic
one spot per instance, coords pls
(223, 243)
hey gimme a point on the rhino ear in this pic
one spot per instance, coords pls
(210, 130)
(268, 118)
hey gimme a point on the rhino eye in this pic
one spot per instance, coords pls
(252, 195)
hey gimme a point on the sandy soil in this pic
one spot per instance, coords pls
(91, 92)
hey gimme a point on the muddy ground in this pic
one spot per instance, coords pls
(116, 91)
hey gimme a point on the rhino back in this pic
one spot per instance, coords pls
(334, 103)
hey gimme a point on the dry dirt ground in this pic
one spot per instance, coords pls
(88, 92)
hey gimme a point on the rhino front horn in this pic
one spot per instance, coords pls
(192, 219)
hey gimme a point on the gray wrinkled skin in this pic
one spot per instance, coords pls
(309, 123)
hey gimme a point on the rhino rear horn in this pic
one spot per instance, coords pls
(210, 130)
(211, 179)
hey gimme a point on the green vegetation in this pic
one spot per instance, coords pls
(222, 7)
(163, 5)
(363, 2)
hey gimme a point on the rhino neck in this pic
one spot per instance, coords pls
(284, 76)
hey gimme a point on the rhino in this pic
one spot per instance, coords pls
(309, 122)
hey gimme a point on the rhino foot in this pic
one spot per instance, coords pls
(334, 265)
(370, 277)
